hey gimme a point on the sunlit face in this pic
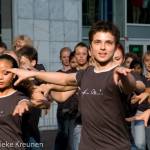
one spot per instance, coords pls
(73, 63)
(81, 54)
(103, 47)
(6, 78)
(65, 58)
(118, 57)
(19, 44)
(147, 62)
(25, 62)
(128, 62)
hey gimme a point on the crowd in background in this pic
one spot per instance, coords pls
(37, 93)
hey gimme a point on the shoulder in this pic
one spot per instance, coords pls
(20, 96)
(83, 73)
(72, 71)
(40, 67)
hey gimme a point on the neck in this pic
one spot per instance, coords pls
(102, 67)
(66, 68)
(147, 74)
(4, 92)
(82, 67)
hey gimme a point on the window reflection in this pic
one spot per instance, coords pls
(93, 10)
(148, 47)
(138, 11)
(136, 49)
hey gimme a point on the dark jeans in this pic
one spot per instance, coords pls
(64, 137)
(148, 137)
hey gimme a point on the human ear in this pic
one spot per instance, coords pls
(33, 63)
(89, 51)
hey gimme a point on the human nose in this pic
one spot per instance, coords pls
(1, 76)
(102, 46)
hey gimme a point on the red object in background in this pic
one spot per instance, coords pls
(137, 3)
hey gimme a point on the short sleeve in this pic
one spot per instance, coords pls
(40, 67)
(21, 96)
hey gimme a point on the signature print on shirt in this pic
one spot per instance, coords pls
(91, 92)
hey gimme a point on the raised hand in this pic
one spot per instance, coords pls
(120, 72)
(21, 107)
(22, 74)
(140, 98)
(144, 116)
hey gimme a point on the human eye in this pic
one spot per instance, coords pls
(109, 42)
(6, 72)
(117, 58)
(97, 42)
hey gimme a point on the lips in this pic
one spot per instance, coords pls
(81, 60)
(1, 83)
(102, 54)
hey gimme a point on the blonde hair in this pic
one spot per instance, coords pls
(146, 54)
(65, 49)
(26, 39)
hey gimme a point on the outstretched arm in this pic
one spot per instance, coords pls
(38, 100)
(125, 79)
(57, 92)
(51, 77)
(62, 96)
(144, 116)
(46, 88)
(140, 98)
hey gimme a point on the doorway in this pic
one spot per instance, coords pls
(138, 47)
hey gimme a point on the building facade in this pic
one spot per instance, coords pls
(53, 24)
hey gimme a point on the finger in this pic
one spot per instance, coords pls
(130, 119)
(21, 112)
(133, 97)
(116, 79)
(15, 112)
(11, 70)
(17, 82)
(126, 72)
(143, 99)
(134, 100)
(145, 122)
(27, 108)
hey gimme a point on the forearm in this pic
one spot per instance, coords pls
(140, 87)
(128, 83)
(56, 78)
(40, 103)
(61, 96)
(59, 88)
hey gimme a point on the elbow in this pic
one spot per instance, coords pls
(140, 87)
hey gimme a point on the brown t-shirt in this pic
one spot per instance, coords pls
(10, 126)
(102, 112)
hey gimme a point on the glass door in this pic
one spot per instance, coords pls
(138, 47)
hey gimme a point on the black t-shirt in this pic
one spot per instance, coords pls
(144, 105)
(31, 119)
(10, 126)
(40, 67)
(69, 108)
(102, 111)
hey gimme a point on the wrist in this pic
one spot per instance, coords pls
(28, 102)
